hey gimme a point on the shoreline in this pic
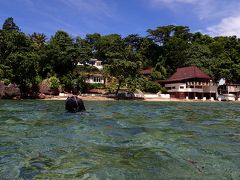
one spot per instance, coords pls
(101, 98)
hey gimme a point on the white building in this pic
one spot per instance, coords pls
(93, 62)
(95, 79)
(190, 82)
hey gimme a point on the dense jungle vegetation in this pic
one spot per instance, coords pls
(28, 60)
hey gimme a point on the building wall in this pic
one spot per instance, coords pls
(192, 90)
(192, 95)
(233, 88)
(95, 80)
(93, 62)
(98, 64)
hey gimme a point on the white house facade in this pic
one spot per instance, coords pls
(95, 79)
(190, 82)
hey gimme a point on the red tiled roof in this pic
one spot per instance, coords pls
(146, 71)
(188, 73)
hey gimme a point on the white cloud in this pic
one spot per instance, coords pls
(225, 12)
(201, 8)
(227, 27)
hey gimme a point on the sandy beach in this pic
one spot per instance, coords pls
(102, 98)
(87, 98)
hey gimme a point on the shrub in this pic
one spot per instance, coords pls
(152, 87)
(54, 82)
(163, 90)
(96, 86)
(67, 82)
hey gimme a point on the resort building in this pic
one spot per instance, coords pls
(146, 71)
(229, 92)
(190, 83)
(96, 63)
(229, 89)
(93, 62)
(95, 79)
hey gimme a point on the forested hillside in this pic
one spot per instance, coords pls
(27, 60)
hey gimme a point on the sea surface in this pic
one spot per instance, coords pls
(119, 140)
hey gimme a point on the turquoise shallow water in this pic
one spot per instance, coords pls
(119, 140)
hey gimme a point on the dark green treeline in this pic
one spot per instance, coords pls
(29, 59)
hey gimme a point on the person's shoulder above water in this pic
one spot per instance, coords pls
(74, 104)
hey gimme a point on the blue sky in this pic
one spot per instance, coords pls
(124, 17)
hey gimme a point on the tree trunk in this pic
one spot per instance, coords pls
(119, 85)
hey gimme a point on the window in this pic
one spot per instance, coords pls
(97, 79)
(98, 63)
(181, 87)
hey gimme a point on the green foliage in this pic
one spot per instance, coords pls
(24, 67)
(80, 84)
(151, 86)
(26, 60)
(112, 85)
(61, 55)
(163, 90)
(84, 51)
(9, 24)
(96, 86)
(37, 80)
(67, 81)
(164, 34)
(54, 82)
(122, 70)
(38, 40)
(6, 81)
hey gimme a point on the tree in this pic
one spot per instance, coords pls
(150, 53)
(84, 50)
(152, 87)
(201, 39)
(201, 56)
(175, 53)
(107, 47)
(25, 68)
(160, 35)
(54, 82)
(27, 59)
(61, 54)
(163, 34)
(11, 42)
(174, 42)
(122, 70)
(134, 41)
(9, 24)
(225, 53)
(38, 40)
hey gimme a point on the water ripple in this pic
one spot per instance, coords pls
(119, 140)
